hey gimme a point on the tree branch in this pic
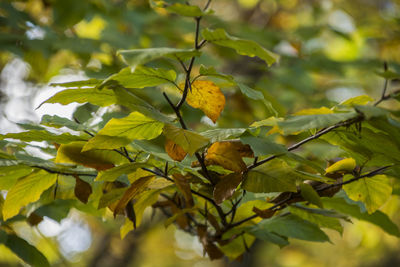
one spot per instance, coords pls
(284, 201)
(308, 139)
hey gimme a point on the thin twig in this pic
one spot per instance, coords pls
(308, 139)
(284, 201)
(385, 85)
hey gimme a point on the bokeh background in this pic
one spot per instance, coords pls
(330, 50)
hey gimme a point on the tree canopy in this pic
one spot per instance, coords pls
(273, 130)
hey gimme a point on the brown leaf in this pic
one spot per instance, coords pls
(182, 221)
(226, 187)
(183, 185)
(136, 187)
(267, 213)
(82, 190)
(212, 250)
(229, 155)
(34, 219)
(206, 96)
(174, 150)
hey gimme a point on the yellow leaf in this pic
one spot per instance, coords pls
(26, 190)
(229, 155)
(206, 96)
(98, 159)
(345, 165)
(175, 151)
(314, 111)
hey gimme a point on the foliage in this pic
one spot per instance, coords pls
(256, 179)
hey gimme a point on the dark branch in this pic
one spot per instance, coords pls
(286, 200)
(308, 139)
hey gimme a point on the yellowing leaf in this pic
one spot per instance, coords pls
(345, 165)
(139, 173)
(26, 190)
(313, 111)
(105, 142)
(358, 100)
(175, 151)
(136, 188)
(206, 96)
(113, 174)
(228, 155)
(372, 191)
(188, 140)
(100, 159)
(135, 126)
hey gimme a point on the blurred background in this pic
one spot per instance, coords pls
(330, 50)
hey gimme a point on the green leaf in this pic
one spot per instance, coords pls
(106, 142)
(371, 111)
(309, 194)
(43, 135)
(274, 176)
(111, 197)
(295, 227)
(94, 96)
(242, 47)
(372, 191)
(188, 140)
(58, 122)
(185, 10)
(216, 135)
(374, 148)
(246, 210)
(300, 123)
(56, 210)
(358, 100)
(113, 173)
(210, 71)
(265, 235)
(78, 84)
(23, 250)
(26, 190)
(317, 218)
(10, 174)
(136, 57)
(263, 146)
(388, 74)
(135, 126)
(84, 112)
(378, 218)
(250, 93)
(128, 99)
(141, 77)
(237, 247)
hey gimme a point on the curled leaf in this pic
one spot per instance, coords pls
(344, 165)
